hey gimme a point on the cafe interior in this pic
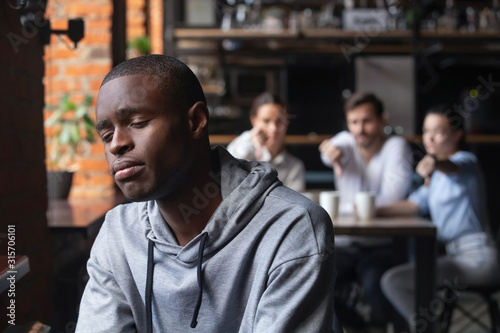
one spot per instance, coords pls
(412, 55)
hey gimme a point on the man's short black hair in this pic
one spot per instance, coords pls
(175, 78)
(360, 98)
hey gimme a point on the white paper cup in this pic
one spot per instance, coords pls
(365, 205)
(329, 200)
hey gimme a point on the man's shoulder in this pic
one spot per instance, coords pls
(124, 214)
(285, 198)
(396, 141)
(119, 223)
(297, 219)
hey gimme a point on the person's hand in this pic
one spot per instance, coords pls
(258, 138)
(426, 167)
(333, 153)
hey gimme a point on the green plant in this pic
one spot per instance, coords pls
(74, 131)
(142, 44)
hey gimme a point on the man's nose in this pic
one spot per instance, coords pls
(359, 128)
(121, 142)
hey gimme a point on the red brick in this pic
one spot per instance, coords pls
(58, 24)
(88, 9)
(94, 164)
(135, 3)
(87, 69)
(91, 192)
(51, 99)
(92, 179)
(94, 85)
(134, 32)
(62, 86)
(51, 70)
(97, 148)
(98, 38)
(63, 53)
(98, 24)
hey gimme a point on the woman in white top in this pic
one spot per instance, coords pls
(454, 196)
(266, 140)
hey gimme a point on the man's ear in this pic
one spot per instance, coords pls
(198, 119)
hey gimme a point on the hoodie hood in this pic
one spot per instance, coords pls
(244, 186)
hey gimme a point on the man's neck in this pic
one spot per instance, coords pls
(373, 149)
(189, 212)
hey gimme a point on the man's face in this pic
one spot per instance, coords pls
(364, 124)
(146, 138)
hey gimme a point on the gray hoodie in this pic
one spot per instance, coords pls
(266, 263)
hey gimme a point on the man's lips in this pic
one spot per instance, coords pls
(126, 169)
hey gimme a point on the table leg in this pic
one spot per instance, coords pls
(425, 272)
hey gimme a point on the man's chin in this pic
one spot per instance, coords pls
(363, 143)
(134, 196)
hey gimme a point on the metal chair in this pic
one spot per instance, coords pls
(487, 295)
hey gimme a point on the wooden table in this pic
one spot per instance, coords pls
(84, 215)
(422, 231)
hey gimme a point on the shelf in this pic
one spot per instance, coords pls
(341, 34)
(316, 139)
(311, 139)
(462, 36)
(212, 33)
(213, 89)
(472, 138)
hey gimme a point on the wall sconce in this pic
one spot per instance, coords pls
(31, 16)
(75, 31)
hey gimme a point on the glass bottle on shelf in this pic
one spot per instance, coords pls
(449, 20)
(471, 19)
(394, 12)
(494, 17)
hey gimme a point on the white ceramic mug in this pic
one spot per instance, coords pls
(365, 205)
(329, 200)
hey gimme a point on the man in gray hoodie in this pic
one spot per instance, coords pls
(210, 243)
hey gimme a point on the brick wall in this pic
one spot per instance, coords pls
(23, 198)
(80, 71)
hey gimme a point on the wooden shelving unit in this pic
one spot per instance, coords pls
(258, 48)
(316, 139)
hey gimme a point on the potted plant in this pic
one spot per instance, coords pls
(73, 133)
(140, 45)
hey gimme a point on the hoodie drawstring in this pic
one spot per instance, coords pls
(149, 288)
(149, 284)
(194, 321)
